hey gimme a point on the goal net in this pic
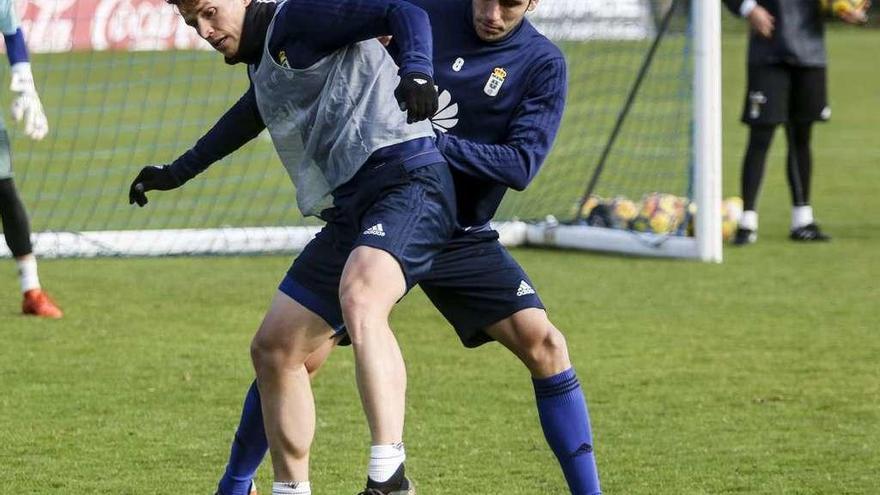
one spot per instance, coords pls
(125, 84)
(636, 166)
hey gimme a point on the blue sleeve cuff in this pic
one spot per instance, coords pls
(410, 67)
(16, 48)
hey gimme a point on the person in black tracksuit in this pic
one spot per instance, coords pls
(787, 85)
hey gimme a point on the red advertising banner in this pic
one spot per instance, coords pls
(83, 25)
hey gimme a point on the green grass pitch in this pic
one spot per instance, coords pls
(757, 376)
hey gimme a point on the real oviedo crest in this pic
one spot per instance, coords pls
(493, 85)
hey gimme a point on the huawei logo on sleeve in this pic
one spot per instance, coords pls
(447, 113)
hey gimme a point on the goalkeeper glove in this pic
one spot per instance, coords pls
(26, 104)
(149, 179)
(417, 95)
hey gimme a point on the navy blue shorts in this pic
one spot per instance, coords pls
(475, 282)
(408, 213)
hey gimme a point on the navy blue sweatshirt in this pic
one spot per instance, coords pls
(496, 138)
(308, 30)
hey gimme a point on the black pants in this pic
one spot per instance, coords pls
(16, 228)
(799, 164)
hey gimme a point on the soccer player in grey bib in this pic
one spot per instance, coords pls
(331, 96)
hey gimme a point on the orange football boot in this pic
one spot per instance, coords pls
(38, 303)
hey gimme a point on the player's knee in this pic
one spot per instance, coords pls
(272, 349)
(371, 285)
(361, 311)
(352, 298)
(265, 352)
(544, 349)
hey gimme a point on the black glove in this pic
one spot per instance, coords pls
(417, 96)
(151, 178)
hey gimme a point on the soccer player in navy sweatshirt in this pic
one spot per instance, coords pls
(503, 88)
(332, 99)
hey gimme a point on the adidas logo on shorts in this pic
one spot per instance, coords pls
(375, 230)
(524, 289)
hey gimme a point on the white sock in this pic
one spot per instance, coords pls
(385, 460)
(292, 488)
(801, 216)
(749, 220)
(27, 273)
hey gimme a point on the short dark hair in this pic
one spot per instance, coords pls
(181, 3)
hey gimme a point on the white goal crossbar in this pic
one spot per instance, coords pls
(262, 240)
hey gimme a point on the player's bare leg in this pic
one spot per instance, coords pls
(249, 445)
(372, 282)
(289, 337)
(531, 336)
